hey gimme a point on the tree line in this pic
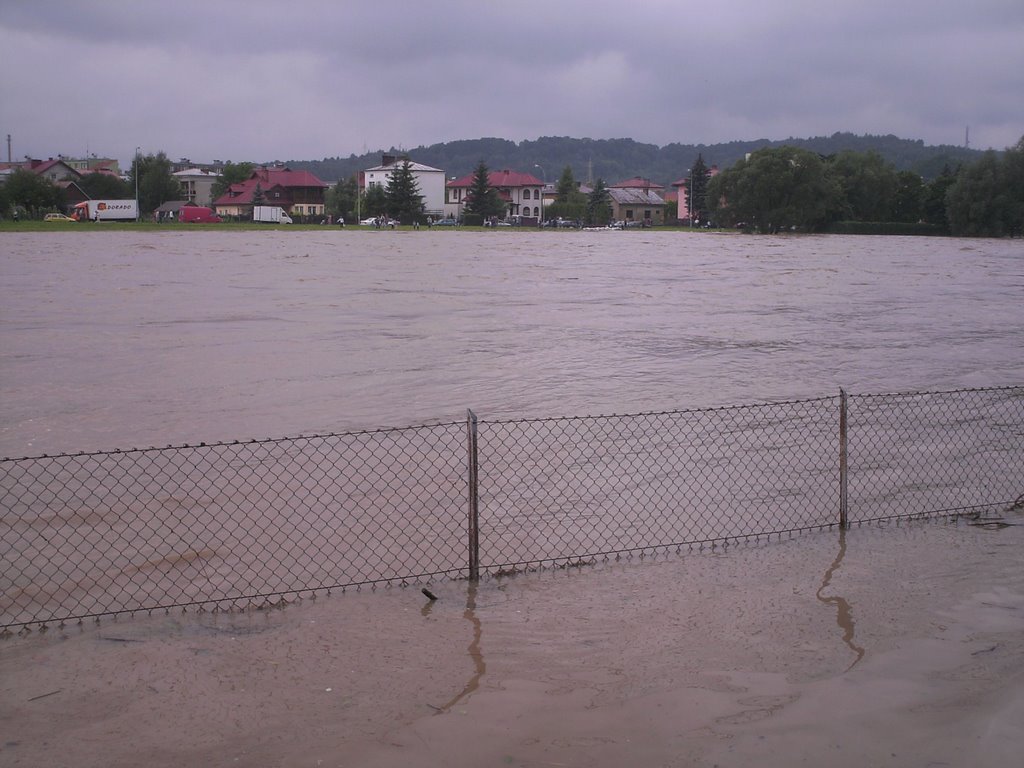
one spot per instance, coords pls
(789, 188)
(770, 190)
(617, 159)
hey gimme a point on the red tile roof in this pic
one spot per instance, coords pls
(286, 177)
(281, 179)
(501, 180)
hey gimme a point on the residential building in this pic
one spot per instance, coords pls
(683, 190)
(93, 164)
(429, 181)
(52, 170)
(639, 201)
(522, 194)
(197, 185)
(299, 193)
(637, 206)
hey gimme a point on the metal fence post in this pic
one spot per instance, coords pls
(474, 509)
(844, 521)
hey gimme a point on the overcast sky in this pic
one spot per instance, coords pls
(307, 79)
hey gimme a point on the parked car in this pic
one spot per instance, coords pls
(449, 222)
(56, 217)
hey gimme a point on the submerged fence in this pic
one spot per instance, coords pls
(239, 524)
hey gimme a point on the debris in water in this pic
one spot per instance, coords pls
(428, 593)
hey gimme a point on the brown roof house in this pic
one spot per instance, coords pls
(638, 201)
(299, 193)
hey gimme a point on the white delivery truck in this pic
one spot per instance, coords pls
(270, 214)
(106, 210)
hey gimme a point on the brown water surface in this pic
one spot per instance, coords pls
(729, 657)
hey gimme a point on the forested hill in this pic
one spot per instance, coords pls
(617, 159)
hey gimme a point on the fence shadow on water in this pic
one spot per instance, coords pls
(243, 524)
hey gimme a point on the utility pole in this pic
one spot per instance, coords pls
(8, 147)
(136, 175)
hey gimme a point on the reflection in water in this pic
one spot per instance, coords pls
(479, 667)
(844, 616)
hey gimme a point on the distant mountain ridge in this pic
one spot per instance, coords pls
(616, 159)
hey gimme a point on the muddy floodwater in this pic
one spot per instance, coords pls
(892, 645)
(118, 340)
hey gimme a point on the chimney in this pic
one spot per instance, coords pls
(387, 159)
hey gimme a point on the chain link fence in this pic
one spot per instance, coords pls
(930, 453)
(248, 524)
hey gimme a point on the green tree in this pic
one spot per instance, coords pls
(599, 205)
(258, 198)
(908, 202)
(566, 188)
(934, 199)
(156, 185)
(375, 202)
(868, 185)
(697, 188)
(99, 186)
(35, 193)
(483, 199)
(404, 201)
(342, 197)
(569, 202)
(232, 173)
(574, 211)
(776, 189)
(1013, 175)
(979, 202)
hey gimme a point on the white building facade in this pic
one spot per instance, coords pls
(197, 185)
(429, 181)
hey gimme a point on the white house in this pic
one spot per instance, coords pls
(522, 194)
(430, 181)
(197, 185)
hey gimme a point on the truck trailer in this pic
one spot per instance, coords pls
(106, 210)
(270, 214)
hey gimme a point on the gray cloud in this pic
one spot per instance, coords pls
(263, 81)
